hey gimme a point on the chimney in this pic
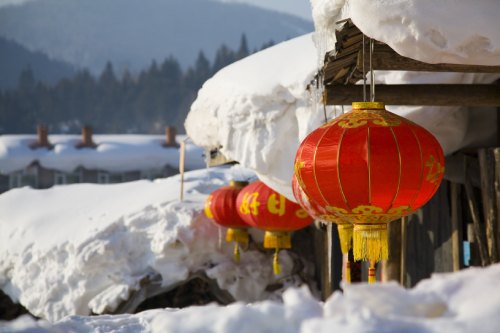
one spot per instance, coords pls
(86, 138)
(42, 138)
(170, 133)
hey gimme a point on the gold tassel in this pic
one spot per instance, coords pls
(347, 268)
(372, 274)
(236, 252)
(277, 239)
(276, 262)
(345, 236)
(370, 242)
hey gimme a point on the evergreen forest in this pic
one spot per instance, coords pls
(159, 96)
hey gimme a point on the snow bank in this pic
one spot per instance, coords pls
(79, 248)
(115, 153)
(449, 31)
(462, 302)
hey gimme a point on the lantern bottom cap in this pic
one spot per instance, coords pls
(277, 240)
(238, 235)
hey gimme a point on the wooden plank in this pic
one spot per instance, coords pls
(455, 226)
(486, 171)
(420, 94)
(474, 212)
(385, 58)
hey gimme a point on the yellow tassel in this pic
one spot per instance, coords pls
(276, 263)
(236, 253)
(345, 236)
(372, 274)
(370, 242)
(237, 235)
(277, 239)
(347, 268)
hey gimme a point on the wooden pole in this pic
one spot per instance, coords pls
(455, 227)
(478, 231)
(486, 168)
(496, 154)
(404, 241)
(327, 271)
(182, 158)
(391, 268)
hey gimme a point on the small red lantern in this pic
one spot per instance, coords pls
(264, 208)
(369, 166)
(344, 228)
(221, 207)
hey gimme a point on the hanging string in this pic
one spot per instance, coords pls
(364, 72)
(372, 74)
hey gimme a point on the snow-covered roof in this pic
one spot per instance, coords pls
(114, 153)
(447, 31)
(461, 302)
(73, 249)
(258, 109)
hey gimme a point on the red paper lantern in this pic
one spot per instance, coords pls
(263, 208)
(220, 206)
(369, 167)
(318, 212)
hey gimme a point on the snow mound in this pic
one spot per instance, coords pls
(462, 302)
(76, 249)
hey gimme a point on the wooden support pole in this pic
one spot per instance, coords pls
(496, 154)
(455, 227)
(420, 94)
(391, 268)
(182, 158)
(473, 208)
(487, 174)
(404, 247)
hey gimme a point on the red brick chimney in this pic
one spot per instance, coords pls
(42, 138)
(170, 133)
(86, 138)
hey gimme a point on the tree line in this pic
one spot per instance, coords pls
(158, 96)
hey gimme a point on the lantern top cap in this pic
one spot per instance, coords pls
(368, 105)
(237, 183)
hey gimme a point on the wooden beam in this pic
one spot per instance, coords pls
(419, 94)
(385, 58)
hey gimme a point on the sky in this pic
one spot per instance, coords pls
(301, 8)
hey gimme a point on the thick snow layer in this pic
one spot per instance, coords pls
(79, 248)
(462, 302)
(258, 109)
(114, 153)
(448, 31)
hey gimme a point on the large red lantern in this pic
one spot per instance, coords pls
(369, 166)
(220, 206)
(318, 212)
(266, 209)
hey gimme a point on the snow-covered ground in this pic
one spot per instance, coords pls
(463, 302)
(73, 249)
(114, 153)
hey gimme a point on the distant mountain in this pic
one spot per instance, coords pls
(15, 58)
(130, 33)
